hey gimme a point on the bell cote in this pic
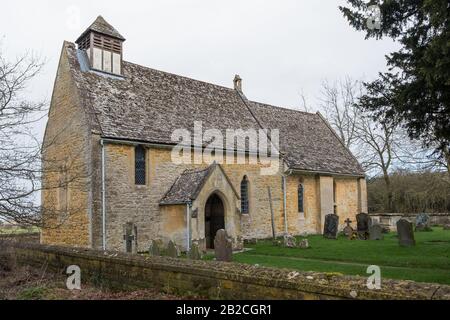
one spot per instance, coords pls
(103, 45)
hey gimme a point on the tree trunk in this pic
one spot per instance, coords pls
(389, 193)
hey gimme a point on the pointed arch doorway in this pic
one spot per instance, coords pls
(214, 219)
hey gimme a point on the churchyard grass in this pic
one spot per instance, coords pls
(428, 261)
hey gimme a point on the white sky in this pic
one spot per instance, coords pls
(280, 48)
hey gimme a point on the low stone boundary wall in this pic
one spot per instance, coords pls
(33, 237)
(215, 280)
(390, 219)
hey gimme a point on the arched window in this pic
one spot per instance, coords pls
(301, 191)
(139, 165)
(244, 196)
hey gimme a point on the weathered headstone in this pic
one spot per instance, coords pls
(376, 232)
(129, 238)
(172, 250)
(223, 246)
(155, 248)
(348, 230)
(330, 229)
(405, 233)
(194, 252)
(363, 222)
(289, 241)
(304, 244)
(423, 222)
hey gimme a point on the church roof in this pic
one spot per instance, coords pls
(189, 184)
(186, 187)
(147, 105)
(100, 25)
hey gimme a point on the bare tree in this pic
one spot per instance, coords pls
(377, 146)
(338, 103)
(304, 103)
(21, 167)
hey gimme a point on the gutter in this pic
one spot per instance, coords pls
(327, 173)
(169, 146)
(103, 196)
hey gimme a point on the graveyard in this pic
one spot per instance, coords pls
(415, 251)
(427, 261)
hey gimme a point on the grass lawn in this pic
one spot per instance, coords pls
(428, 261)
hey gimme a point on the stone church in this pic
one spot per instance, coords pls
(110, 127)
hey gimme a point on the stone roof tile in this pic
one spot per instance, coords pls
(147, 105)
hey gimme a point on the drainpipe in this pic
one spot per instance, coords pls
(188, 225)
(284, 178)
(284, 205)
(103, 196)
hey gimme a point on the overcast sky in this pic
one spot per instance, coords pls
(280, 48)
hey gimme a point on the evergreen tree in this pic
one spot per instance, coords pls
(416, 88)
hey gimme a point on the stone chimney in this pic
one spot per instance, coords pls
(237, 83)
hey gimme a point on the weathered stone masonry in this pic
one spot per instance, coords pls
(95, 112)
(215, 280)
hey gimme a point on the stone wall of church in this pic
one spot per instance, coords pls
(66, 180)
(347, 193)
(139, 205)
(128, 203)
(309, 220)
(346, 200)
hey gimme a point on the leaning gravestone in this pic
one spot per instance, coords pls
(405, 233)
(172, 250)
(363, 222)
(423, 222)
(289, 241)
(195, 253)
(223, 246)
(304, 244)
(155, 248)
(330, 229)
(376, 232)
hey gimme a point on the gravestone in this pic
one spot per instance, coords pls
(363, 222)
(423, 222)
(331, 226)
(376, 232)
(289, 241)
(155, 248)
(304, 244)
(348, 230)
(405, 233)
(172, 250)
(195, 253)
(130, 238)
(223, 246)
